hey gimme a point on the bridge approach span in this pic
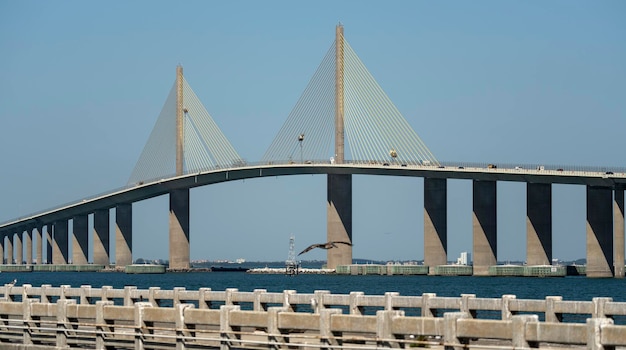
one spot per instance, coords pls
(160, 187)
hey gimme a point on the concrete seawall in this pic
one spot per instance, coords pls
(63, 317)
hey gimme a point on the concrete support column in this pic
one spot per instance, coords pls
(179, 229)
(101, 231)
(19, 250)
(538, 224)
(28, 243)
(484, 226)
(435, 223)
(38, 236)
(339, 219)
(123, 235)
(80, 240)
(60, 243)
(9, 249)
(599, 232)
(2, 237)
(49, 231)
(618, 232)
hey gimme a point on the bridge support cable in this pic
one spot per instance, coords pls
(313, 116)
(204, 145)
(210, 148)
(373, 126)
(158, 158)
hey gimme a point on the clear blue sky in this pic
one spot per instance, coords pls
(82, 84)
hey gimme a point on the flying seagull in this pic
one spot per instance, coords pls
(327, 245)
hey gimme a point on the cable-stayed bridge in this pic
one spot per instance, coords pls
(343, 124)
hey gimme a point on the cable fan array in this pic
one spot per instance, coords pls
(375, 131)
(205, 146)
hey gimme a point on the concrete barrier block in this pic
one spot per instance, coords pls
(85, 294)
(227, 331)
(176, 299)
(599, 307)
(204, 298)
(286, 301)
(128, 295)
(355, 308)
(63, 291)
(317, 302)
(229, 296)
(139, 320)
(518, 325)
(104, 293)
(26, 316)
(258, 305)
(389, 300)
(152, 293)
(26, 290)
(384, 320)
(62, 321)
(506, 310)
(594, 333)
(465, 301)
(326, 334)
(551, 315)
(426, 308)
(101, 327)
(450, 336)
(181, 325)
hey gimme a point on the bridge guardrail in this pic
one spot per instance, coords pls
(131, 318)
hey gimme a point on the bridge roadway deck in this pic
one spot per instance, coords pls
(160, 187)
(63, 317)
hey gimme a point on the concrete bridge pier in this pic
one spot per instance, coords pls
(28, 243)
(80, 240)
(123, 234)
(339, 218)
(48, 240)
(101, 231)
(37, 232)
(60, 243)
(9, 249)
(484, 226)
(435, 223)
(19, 249)
(618, 231)
(2, 236)
(599, 231)
(538, 224)
(179, 229)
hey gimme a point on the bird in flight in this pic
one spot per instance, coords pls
(327, 245)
